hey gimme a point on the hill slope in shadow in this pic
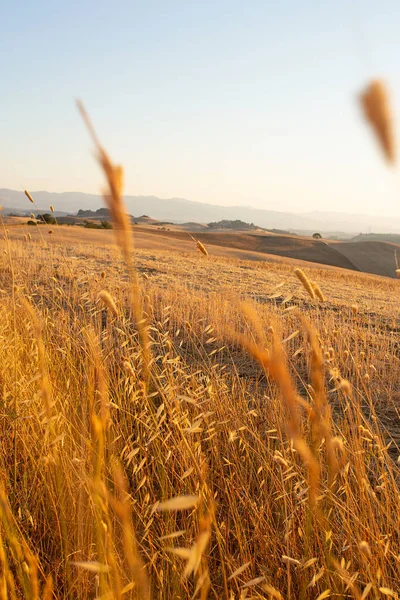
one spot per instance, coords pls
(370, 257)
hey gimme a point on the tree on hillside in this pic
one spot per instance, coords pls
(317, 236)
(93, 225)
(46, 218)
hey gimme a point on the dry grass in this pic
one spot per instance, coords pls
(295, 489)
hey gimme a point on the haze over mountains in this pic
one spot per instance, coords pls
(180, 210)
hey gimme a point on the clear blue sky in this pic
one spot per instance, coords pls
(223, 101)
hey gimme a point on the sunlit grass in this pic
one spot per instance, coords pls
(90, 449)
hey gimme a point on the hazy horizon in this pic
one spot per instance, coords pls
(220, 104)
(250, 206)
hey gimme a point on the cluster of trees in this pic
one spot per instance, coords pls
(50, 220)
(45, 218)
(101, 225)
(226, 224)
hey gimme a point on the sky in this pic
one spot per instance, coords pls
(219, 101)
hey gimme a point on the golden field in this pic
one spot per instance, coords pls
(250, 450)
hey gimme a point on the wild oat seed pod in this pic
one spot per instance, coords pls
(27, 194)
(201, 248)
(302, 277)
(375, 103)
(108, 300)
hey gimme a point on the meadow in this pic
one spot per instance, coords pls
(239, 440)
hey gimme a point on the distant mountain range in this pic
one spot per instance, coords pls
(179, 210)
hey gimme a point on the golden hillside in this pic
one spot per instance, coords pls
(251, 452)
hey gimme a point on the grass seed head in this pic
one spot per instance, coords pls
(365, 548)
(108, 300)
(337, 443)
(375, 104)
(113, 198)
(317, 291)
(345, 386)
(201, 248)
(302, 277)
(27, 194)
(128, 368)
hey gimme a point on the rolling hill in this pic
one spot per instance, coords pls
(369, 257)
(181, 210)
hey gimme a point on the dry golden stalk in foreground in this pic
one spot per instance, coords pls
(113, 194)
(115, 203)
(375, 103)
